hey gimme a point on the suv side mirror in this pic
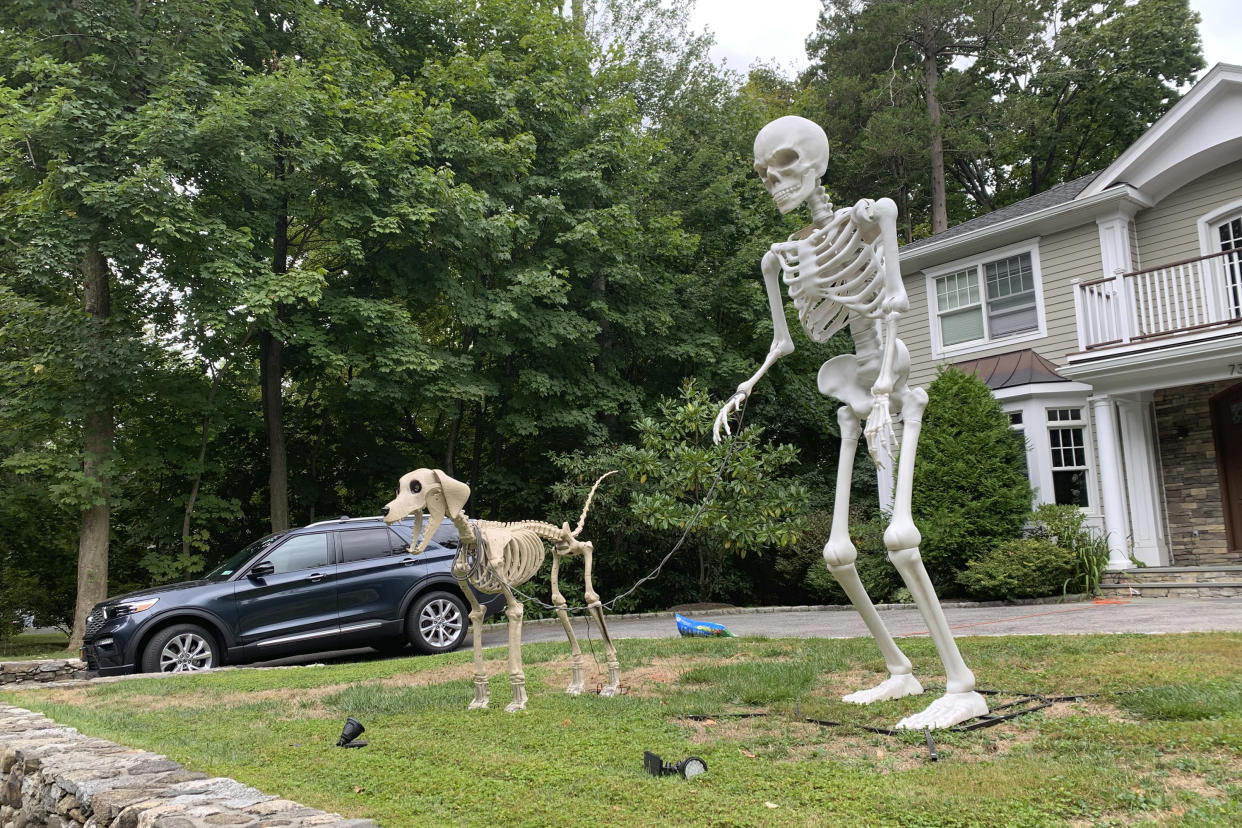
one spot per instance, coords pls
(260, 570)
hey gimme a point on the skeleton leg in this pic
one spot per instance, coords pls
(558, 601)
(597, 609)
(960, 701)
(461, 570)
(840, 555)
(514, 609)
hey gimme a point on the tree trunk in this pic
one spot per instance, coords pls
(604, 339)
(97, 445)
(271, 350)
(931, 77)
(271, 372)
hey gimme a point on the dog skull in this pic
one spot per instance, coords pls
(791, 156)
(426, 490)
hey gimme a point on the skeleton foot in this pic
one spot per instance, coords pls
(519, 697)
(613, 687)
(946, 711)
(575, 681)
(480, 694)
(895, 687)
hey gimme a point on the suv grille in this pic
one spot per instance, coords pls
(93, 622)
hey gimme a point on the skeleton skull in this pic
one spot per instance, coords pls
(791, 156)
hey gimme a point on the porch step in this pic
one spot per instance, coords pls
(1175, 582)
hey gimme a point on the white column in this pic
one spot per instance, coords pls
(1111, 481)
(1116, 259)
(1142, 482)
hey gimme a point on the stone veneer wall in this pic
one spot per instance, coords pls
(54, 777)
(19, 672)
(1191, 478)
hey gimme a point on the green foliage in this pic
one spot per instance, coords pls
(1024, 568)
(803, 563)
(1066, 527)
(1031, 93)
(732, 498)
(971, 491)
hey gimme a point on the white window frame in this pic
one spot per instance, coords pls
(1033, 401)
(1083, 428)
(940, 351)
(1209, 240)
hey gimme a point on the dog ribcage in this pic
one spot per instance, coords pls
(833, 273)
(522, 552)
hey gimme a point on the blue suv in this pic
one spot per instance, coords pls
(328, 586)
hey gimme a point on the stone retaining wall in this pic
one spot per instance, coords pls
(17, 672)
(54, 777)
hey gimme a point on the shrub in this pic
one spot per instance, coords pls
(1023, 568)
(1066, 527)
(970, 486)
(803, 564)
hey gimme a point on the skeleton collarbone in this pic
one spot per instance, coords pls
(832, 273)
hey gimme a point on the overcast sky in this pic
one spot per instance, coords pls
(775, 31)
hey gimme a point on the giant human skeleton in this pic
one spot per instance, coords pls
(495, 557)
(844, 270)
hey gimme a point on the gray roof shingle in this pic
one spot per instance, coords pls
(1059, 194)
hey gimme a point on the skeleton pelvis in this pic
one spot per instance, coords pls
(839, 378)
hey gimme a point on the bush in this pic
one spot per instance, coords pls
(970, 486)
(1066, 527)
(803, 564)
(1024, 568)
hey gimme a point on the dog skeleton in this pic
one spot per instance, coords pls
(496, 557)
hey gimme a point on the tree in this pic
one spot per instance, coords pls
(970, 486)
(731, 498)
(80, 206)
(921, 40)
(1100, 75)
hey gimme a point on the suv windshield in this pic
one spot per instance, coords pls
(225, 570)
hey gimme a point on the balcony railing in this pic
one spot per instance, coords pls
(1177, 298)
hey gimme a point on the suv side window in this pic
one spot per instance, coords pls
(300, 552)
(364, 544)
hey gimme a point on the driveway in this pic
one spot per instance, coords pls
(1139, 615)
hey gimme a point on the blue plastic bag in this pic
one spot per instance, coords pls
(688, 626)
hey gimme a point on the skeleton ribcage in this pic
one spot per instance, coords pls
(832, 273)
(522, 553)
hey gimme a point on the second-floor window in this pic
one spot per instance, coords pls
(986, 301)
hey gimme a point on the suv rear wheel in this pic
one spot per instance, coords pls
(437, 623)
(180, 648)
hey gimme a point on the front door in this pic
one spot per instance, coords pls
(1227, 424)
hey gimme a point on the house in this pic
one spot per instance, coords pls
(1106, 315)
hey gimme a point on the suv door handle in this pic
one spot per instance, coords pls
(315, 578)
(408, 561)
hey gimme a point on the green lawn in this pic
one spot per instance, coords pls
(1160, 744)
(36, 645)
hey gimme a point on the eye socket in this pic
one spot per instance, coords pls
(784, 158)
(415, 486)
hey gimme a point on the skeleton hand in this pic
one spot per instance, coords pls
(731, 407)
(881, 439)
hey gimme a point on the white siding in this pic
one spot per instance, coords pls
(1065, 256)
(1169, 231)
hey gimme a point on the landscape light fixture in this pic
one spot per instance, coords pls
(689, 767)
(352, 730)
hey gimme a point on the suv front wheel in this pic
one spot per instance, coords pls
(179, 649)
(437, 623)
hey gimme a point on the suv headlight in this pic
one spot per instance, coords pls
(129, 607)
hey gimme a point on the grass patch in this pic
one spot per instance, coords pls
(27, 646)
(1159, 743)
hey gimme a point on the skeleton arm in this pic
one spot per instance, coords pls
(882, 216)
(782, 344)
